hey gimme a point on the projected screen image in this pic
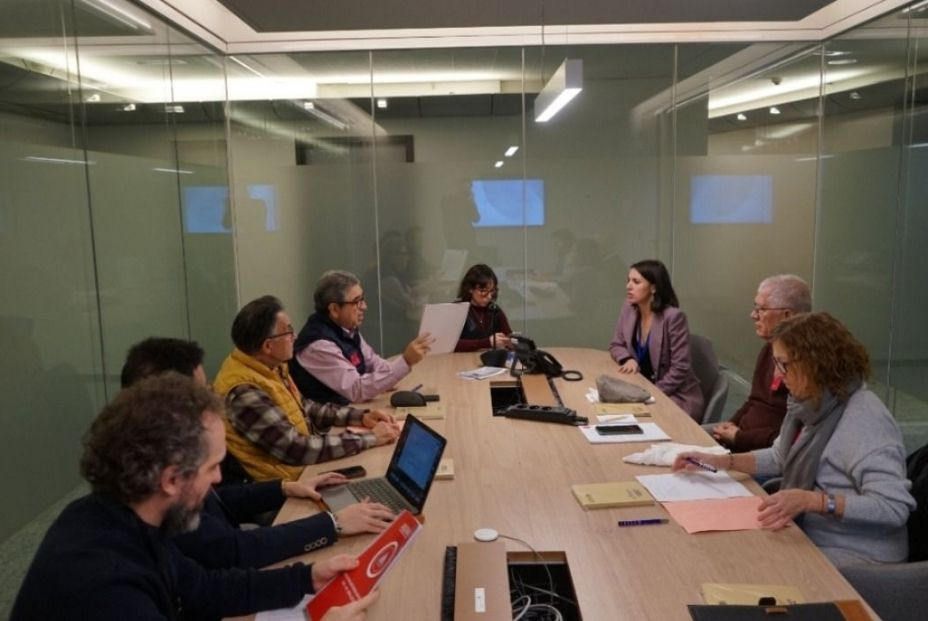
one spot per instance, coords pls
(205, 209)
(731, 199)
(499, 202)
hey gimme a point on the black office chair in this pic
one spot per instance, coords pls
(712, 382)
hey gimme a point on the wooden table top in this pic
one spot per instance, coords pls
(515, 476)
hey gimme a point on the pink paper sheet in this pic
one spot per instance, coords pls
(697, 516)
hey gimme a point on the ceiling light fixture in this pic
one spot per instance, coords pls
(563, 86)
(741, 117)
(855, 96)
(128, 108)
(498, 164)
(94, 98)
(173, 109)
(843, 61)
(774, 110)
(176, 171)
(244, 66)
(382, 103)
(117, 13)
(511, 151)
(56, 160)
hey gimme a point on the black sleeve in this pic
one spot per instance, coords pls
(244, 502)
(234, 592)
(216, 545)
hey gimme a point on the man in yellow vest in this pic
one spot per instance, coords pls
(270, 428)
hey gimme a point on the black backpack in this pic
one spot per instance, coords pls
(917, 471)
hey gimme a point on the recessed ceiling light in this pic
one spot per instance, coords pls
(774, 110)
(128, 108)
(308, 105)
(94, 98)
(173, 109)
(498, 164)
(381, 103)
(511, 151)
(855, 96)
(741, 116)
(843, 61)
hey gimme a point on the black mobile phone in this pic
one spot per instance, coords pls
(612, 430)
(351, 472)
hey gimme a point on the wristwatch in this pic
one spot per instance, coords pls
(831, 504)
(338, 527)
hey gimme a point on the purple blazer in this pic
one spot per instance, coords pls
(670, 354)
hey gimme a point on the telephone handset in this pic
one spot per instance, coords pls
(537, 361)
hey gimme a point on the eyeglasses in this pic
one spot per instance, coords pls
(289, 332)
(782, 365)
(757, 310)
(355, 302)
(485, 289)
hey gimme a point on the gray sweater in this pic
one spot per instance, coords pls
(864, 461)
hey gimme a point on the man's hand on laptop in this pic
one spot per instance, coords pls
(307, 489)
(386, 433)
(364, 517)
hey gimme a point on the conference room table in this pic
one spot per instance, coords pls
(515, 476)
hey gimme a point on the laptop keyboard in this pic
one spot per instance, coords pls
(380, 491)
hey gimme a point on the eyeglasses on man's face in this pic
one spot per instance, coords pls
(358, 301)
(288, 332)
(757, 310)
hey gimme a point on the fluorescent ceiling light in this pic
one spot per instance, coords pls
(177, 171)
(173, 109)
(56, 160)
(774, 110)
(842, 61)
(563, 86)
(245, 66)
(324, 116)
(381, 103)
(498, 164)
(511, 151)
(118, 13)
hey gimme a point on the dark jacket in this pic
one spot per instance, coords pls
(219, 541)
(100, 561)
(317, 328)
(761, 416)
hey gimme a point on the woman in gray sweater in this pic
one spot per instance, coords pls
(839, 451)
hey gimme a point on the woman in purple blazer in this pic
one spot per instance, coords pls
(652, 337)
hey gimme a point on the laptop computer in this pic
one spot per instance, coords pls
(409, 476)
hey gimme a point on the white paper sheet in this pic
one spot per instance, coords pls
(481, 373)
(444, 323)
(651, 432)
(297, 613)
(692, 486)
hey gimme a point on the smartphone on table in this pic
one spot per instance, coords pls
(618, 430)
(350, 472)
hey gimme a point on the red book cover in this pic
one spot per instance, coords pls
(373, 564)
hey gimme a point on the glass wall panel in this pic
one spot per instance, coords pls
(302, 169)
(599, 160)
(51, 367)
(745, 187)
(448, 196)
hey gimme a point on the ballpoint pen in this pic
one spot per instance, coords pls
(643, 522)
(416, 389)
(700, 464)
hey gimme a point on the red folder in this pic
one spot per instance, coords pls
(373, 564)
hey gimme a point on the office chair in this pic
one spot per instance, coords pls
(712, 382)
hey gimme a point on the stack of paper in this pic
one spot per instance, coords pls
(481, 373)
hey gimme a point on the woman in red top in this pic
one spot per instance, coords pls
(486, 326)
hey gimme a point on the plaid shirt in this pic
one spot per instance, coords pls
(254, 414)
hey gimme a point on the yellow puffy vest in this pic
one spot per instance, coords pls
(240, 368)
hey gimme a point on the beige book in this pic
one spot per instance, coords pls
(750, 594)
(445, 469)
(619, 494)
(638, 409)
(434, 410)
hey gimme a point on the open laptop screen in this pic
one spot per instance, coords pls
(415, 463)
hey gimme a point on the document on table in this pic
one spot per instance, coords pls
(699, 516)
(692, 485)
(444, 323)
(650, 433)
(481, 373)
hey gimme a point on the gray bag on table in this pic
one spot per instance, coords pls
(613, 390)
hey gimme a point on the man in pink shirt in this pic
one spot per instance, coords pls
(332, 362)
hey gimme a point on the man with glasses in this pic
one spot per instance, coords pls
(757, 423)
(270, 428)
(333, 363)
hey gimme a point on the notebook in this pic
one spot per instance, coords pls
(605, 495)
(409, 476)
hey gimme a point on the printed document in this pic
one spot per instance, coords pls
(444, 322)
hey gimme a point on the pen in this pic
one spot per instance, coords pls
(700, 464)
(643, 522)
(416, 389)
